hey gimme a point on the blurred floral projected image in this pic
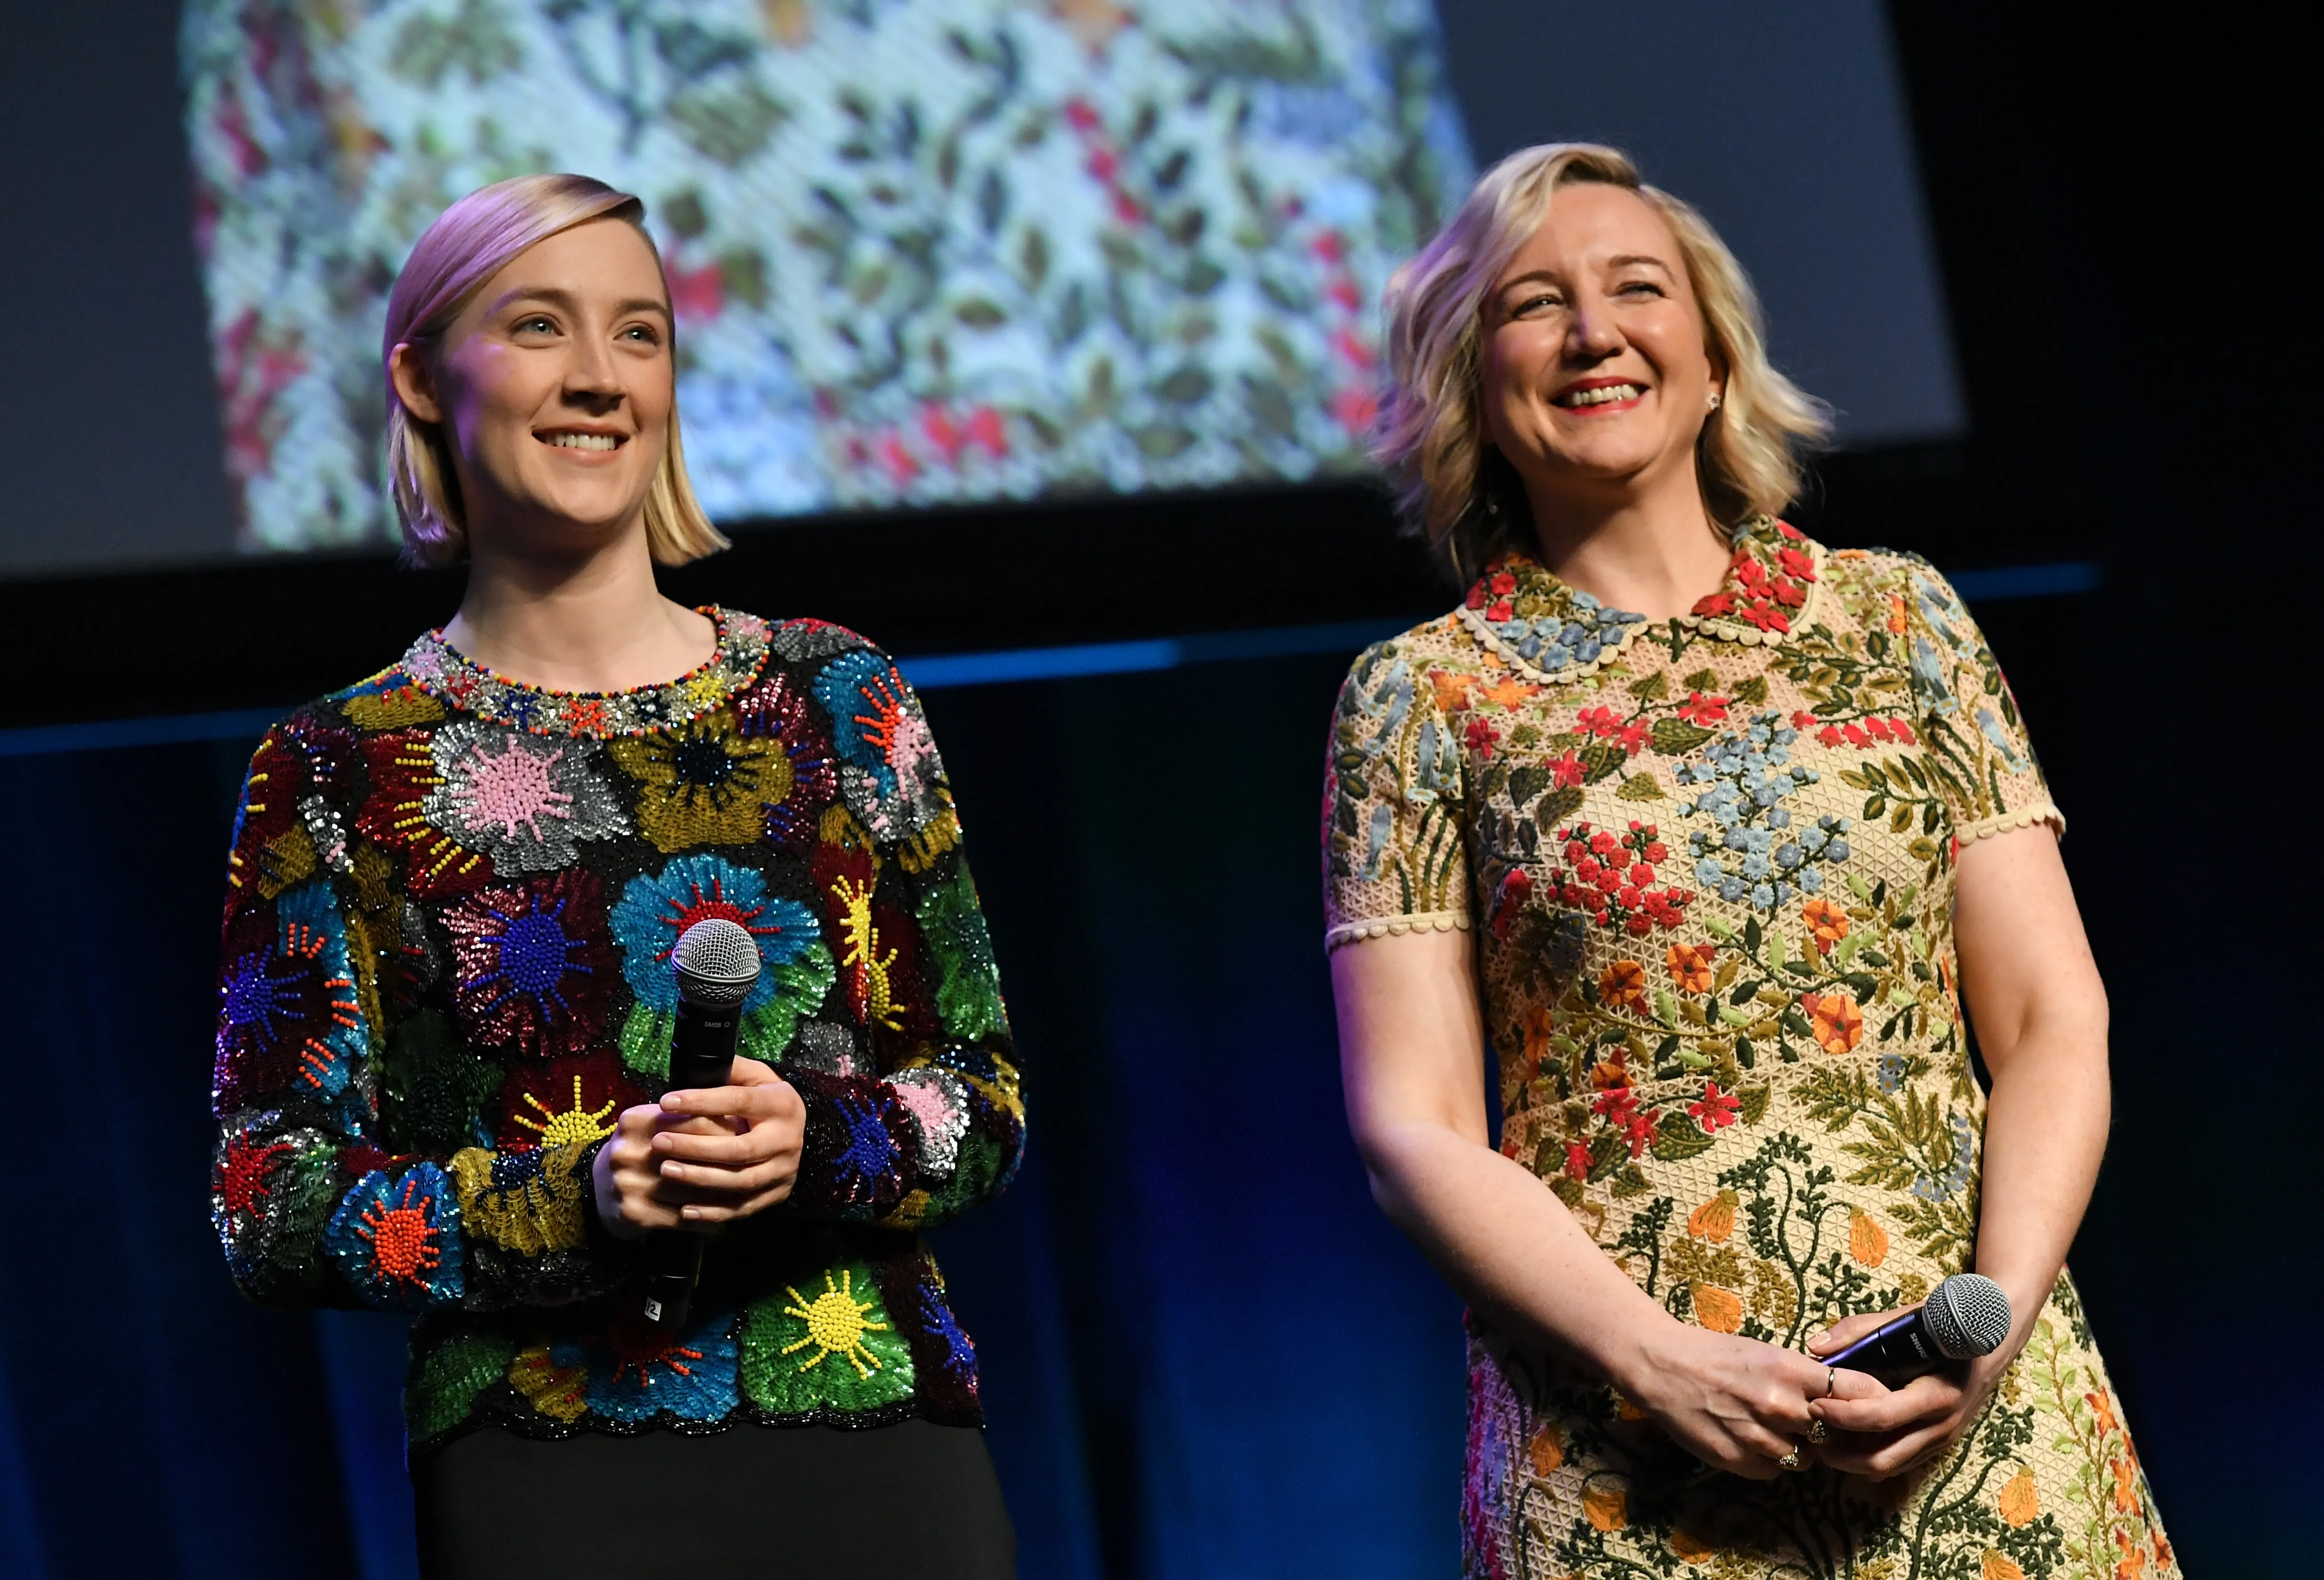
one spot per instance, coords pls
(920, 250)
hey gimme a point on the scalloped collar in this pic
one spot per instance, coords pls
(442, 671)
(1549, 632)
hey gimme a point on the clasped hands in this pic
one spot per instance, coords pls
(700, 1159)
(1742, 1405)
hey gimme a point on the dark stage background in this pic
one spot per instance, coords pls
(1207, 1354)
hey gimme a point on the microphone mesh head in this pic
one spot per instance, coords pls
(715, 963)
(1967, 1316)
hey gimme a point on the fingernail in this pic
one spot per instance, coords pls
(689, 1212)
(673, 1171)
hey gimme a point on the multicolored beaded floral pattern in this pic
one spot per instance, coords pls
(1707, 866)
(451, 904)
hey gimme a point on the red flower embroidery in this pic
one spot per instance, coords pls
(1717, 1109)
(1703, 710)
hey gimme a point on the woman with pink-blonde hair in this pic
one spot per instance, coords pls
(446, 1005)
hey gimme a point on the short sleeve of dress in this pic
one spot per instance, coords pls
(1395, 806)
(1977, 751)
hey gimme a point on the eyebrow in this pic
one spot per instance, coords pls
(1621, 261)
(558, 297)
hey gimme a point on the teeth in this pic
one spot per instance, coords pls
(1600, 396)
(584, 441)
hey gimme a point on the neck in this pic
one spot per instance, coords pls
(592, 623)
(1651, 549)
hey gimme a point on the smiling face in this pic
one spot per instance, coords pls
(1594, 373)
(554, 388)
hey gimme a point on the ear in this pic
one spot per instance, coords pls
(414, 380)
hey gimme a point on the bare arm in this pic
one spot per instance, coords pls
(1412, 1052)
(2041, 1015)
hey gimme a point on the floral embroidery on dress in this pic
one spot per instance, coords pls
(1709, 865)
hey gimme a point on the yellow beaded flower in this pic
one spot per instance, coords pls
(704, 783)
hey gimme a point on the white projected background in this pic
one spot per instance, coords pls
(921, 251)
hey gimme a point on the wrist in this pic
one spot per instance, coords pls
(1635, 1353)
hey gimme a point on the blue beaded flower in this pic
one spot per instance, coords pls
(397, 1242)
(637, 1371)
(889, 770)
(655, 908)
(288, 1017)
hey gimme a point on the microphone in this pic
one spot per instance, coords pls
(1965, 1317)
(715, 963)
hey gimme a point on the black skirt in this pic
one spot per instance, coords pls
(752, 1503)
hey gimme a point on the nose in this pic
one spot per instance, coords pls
(1592, 334)
(593, 375)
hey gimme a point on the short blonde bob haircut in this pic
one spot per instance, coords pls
(471, 242)
(1454, 488)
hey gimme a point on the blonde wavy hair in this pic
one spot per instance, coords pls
(471, 242)
(1454, 488)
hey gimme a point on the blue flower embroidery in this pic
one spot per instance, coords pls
(397, 1242)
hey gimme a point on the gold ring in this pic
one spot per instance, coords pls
(1817, 1431)
(1831, 1379)
(1790, 1461)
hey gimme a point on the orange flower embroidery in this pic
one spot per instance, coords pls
(1720, 1310)
(1538, 1024)
(2001, 1567)
(1508, 693)
(2105, 1407)
(1608, 1508)
(1714, 1220)
(1547, 1449)
(1837, 1024)
(1452, 691)
(1691, 1548)
(1868, 1241)
(1690, 966)
(1623, 985)
(2021, 1502)
(1827, 923)
(2126, 1486)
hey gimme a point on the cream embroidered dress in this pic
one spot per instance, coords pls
(1708, 866)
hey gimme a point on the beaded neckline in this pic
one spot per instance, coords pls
(1549, 632)
(444, 672)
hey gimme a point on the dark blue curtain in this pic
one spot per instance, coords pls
(1206, 1354)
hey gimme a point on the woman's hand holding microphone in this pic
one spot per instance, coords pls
(702, 1159)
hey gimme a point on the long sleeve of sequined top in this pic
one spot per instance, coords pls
(445, 970)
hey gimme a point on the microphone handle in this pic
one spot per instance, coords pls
(701, 1055)
(1892, 1351)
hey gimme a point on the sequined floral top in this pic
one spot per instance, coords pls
(451, 902)
(1707, 867)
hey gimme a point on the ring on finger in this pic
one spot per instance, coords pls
(1817, 1430)
(1790, 1461)
(1831, 1379)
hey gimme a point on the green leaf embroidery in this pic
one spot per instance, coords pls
(1674, 737)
